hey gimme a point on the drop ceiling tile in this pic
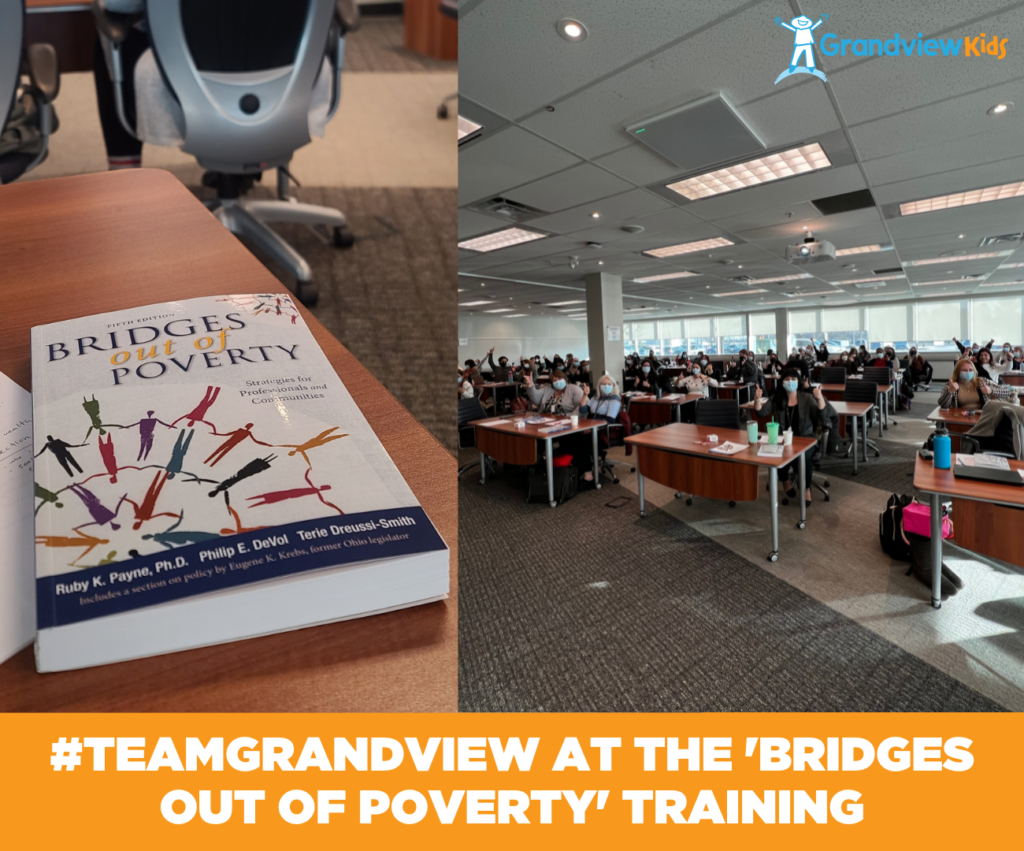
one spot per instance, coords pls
(580, 184)
(627, 205)
(639, 165)
(472, 223)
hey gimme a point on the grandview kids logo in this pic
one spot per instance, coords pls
(833, 45)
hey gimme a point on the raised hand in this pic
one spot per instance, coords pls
(953, 385)
(984, 388)
(528, 379)
(757, 393)
(491, 350)
(816, 393)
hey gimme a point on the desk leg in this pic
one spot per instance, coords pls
(640, 486)
(597, 462)
(483, 469)
(856, 448)
(549, 461)
(864, 437)
(936, 509)
(773, 502)
(880, 402)
(803, 491)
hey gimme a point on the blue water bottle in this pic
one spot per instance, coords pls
(942, 449)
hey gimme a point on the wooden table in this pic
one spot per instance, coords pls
(955, 421)
(501, 440)
(75, 246)
(652, 410)
(674, 456)
(1014, 378)
(495, 386)
(986, 516)
(428, 31)
(732, 389)
(835, 393)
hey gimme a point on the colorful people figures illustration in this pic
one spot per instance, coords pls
(101, 515)
(46, 497)
(147, 426)
(233, 439)
(197, 414)
(257, 465)
(60, 451)
(178, 453)
(314, 442)
(107, 453)
(92, 408)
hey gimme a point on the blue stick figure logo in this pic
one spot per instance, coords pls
(803, 40)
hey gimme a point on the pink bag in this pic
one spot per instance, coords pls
(917, 520)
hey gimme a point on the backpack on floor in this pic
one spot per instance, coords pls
(890, 528)
(565, 484)
(921, 569)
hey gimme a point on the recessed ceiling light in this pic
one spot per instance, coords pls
(600, 262)
(959, 236)
(461, 290)
(963, 199)
(573, 310)
(688, 247)
(861, 249)
(595, 215)
(571, 29)
(475, 303)
(515, 315)
(867, 280)
(934, 283)
(777, 279)
(738, 292)
(1001, 108)
(563, 303)
(795, 161)
(500, 310)
(468, 128)
(500, 239)
(931, 260)
(666, 277)
(767, 303)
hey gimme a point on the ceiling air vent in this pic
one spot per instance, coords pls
(845, 202)
(507, 209)
(1006, 237)
(894, 269)
(741, 279)
(869, 286)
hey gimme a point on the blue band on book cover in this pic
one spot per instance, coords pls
(229, 562)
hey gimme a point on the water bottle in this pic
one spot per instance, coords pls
(942, 449)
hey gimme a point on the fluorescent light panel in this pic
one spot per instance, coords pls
(515, 315)
(867, 280)
(475, 303)
(500, 310)
(861, 249)
(933, 260)
(768, 303)
(777, 279)
(963, 199)
(753, 172)
(500, 239)
(467, 127)
(738, 292)
(936, 283)
(688, 247)
(1004, 284)
(564, 303)
(667, 277)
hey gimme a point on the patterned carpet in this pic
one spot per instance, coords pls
(377, 46)
(650, 615)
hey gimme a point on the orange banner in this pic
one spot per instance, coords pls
(311, 781)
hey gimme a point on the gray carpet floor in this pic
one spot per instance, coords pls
(651, 615)
(391, 298)
(377, 46)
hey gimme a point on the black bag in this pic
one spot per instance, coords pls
(890, 528)
(565, 484)
(921, 568)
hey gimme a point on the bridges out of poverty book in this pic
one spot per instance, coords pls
(202, 475)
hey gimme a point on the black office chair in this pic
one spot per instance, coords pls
(863, 391)
(27, 117)
(716, 413)
(450, 9)
(617, 433)
(884, 376)
(470, 410)
(832, 375)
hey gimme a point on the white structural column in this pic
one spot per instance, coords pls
(604, 321)
(782, 333)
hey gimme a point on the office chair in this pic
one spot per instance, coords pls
(881, 375)
(1003, 435)
(469, 410)
(617, 433)
(450, 9)
(239, 84)
(27, 117)
(716, 413)
(833, 375)
(863, 391)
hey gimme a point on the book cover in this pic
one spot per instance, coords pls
(188, 448)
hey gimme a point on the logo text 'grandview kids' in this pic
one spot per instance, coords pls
(832, 45)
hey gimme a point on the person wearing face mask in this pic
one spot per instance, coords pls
(862, 355)
(919, 369)
(880, 359)
(974, 348)
(1004, 358)
(695, 382)
(501, 370)
(772, 364)
(800, 412)
(559, 397)
(1017, 364)
(647, 381)
(967, 389)
(607, 403)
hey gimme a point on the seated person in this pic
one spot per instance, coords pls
(1004, 358)
(967, 389)
(974, 348)
(607, 403)
(880, 359)
(985, 366)
(772, 364)
(500, 372)
(695, 382)
(800, 412)
(647, 381)
(862, 356)
(559, 397)
(583, 373)
(919, 368)
(800, 365)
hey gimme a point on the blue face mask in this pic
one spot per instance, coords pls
(606, 389)
(966, 376)
(696, 370)
(789, 386)
(558, 385)
(646, 370)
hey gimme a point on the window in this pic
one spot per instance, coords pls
(840, 328)
(645, 337)
(997, 318)
(938, 322)
(698, 334)
(888, 326)
(732, 330)
(672, 339)
(803, 326)
(762, 328)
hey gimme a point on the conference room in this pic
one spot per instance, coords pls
(293, 166)
(740, 332)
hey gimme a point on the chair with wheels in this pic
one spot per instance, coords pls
(833, 375)
(863, 391)
(882, 376)
(27, 117)
(617, 433)
(241, 85)
(716, 413)
(470, 410)
(450, 9)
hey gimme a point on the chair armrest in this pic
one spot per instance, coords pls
(347, 13)
(43, 70)
(113, 26)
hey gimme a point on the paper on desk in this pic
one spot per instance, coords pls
(17, 564)
(965, 460)
(729, 448)
(991, 462)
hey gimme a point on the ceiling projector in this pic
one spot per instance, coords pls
(810, 251)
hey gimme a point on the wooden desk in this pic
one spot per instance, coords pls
(66, 24)
(955, 421)
(673, 456)
(495, 386)
(75, 246)
(1014, 378)
(501, 440)
(650, 410)
(986, 516)
(428, 31)
(835, 392)
(732, 389)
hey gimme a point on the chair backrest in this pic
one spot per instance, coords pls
(833, 375)
(861, 391)
(718, 413)
(243, 73)
(878, 374)
(12, 31)
(470, 409)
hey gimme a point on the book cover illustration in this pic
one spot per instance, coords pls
(181, 451)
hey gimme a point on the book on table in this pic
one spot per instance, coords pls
(202, 475)
(729, 448)
(770, 450)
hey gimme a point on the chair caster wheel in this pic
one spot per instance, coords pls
(615, 481)
(689, 500)
(483, 481)
(343, 237)
(732, 503)
(679, 494)
(876, 454)
(442, 111)
(597, 486)
(828, 484)
(552, 504)
(306, 292)
(886, 428)
(632, 469)
(643, 513)
(826, 497)
(785, 500)
(801, 525)
(773, 556)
